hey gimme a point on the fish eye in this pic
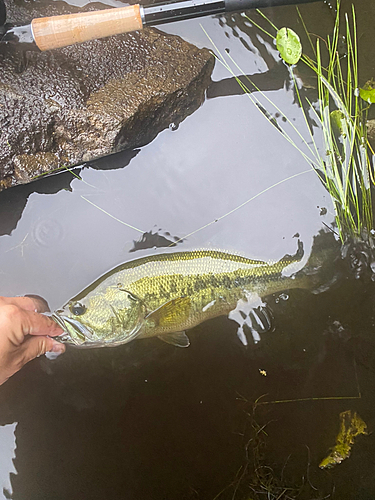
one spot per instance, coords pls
(77, 309)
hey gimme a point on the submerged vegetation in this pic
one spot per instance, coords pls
(351, 426)
(258, 480)
(341, 156)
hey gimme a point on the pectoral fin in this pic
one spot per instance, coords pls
(179, 339)
(172, 313)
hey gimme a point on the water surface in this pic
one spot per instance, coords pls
(148, 420)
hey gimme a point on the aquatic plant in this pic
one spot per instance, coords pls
(351, 426)
(345, 168)
(343, 164)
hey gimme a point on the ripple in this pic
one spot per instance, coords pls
(47, 232)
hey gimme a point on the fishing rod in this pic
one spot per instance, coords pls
(48, 33)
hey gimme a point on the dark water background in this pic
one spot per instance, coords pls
(151, 421)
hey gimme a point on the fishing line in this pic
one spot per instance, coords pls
(299, 400)
(242, 205)
(113, 217)
(209, 223)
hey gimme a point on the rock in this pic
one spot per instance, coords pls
(371, 130)
(72, 105)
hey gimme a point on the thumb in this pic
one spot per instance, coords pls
(37, 345)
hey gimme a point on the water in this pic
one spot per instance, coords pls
(148, 420)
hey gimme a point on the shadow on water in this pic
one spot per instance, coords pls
(13, 202)
(146, 419)
(276, 77)
(117, 160)
(155, 240)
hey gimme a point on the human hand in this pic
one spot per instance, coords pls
(23, 333)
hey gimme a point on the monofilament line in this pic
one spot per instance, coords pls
(242, 204)
(113, 217)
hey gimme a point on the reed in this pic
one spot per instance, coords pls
(343, 162)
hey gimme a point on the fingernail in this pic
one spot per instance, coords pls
(58, 348)
(51, 356)
(42, 304)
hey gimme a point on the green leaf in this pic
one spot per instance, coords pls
(289, 45)
(367, 95)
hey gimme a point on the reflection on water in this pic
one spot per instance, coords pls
(148, 420)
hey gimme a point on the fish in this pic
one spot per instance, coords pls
(166, 294)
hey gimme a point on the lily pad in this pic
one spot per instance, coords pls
(289, 45)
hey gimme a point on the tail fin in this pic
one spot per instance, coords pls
(324, 266)
(297, 257)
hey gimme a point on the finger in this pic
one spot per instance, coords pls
(29, 303)
(21, 323)
(37, 324)
(38, 345)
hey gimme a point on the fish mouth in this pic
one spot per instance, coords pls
(82, 332)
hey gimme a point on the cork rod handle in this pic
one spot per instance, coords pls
(60, 31)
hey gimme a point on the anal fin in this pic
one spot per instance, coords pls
(178, 339)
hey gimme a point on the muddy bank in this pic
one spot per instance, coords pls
(72, 105)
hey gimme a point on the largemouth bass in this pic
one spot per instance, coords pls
(164, 295)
